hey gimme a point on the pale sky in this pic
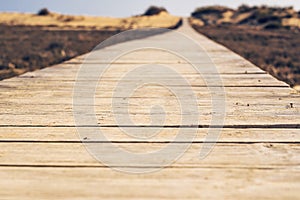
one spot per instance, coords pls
(123, 8)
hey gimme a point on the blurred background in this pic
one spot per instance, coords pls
(126, 8)
(38, 34)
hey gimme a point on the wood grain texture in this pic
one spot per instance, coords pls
(185, 183)
(256, 156)
(116, 134)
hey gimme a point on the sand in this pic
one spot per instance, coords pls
(163, 20)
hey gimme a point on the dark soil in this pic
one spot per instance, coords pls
(275, 51)
(25, 48)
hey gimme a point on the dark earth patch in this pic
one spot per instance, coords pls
(275, 51)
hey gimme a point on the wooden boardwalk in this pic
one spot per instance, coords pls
(256, 157)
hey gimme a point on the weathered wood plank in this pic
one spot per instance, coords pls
(106, 119)
(228, 80)
(155, 90)
(93, 183)
(114, 134)
(256, 155)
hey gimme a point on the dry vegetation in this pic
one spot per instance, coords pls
(34, 41)
(263, 35)
(49, 19)
(26, 48)
(259, 17)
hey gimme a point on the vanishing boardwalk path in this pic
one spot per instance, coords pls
(257, 155)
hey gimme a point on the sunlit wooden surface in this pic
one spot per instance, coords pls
(256, 157)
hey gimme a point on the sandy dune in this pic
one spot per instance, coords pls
(163, 20)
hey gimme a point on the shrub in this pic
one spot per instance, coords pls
(154, 10)
(54, 45)
(265, 19)
(210, 10)
(273, 25)
(2, 67)
(66, 18)
(210, 14)
(288, 16)
(43, 12)
(244, 8)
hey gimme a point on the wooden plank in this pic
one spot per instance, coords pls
(116, 73)
(140, 119)
(228, 80)
(239, 111)
(252, 155)
(93, 183)
(263, 97)
(238, 66)
(157, 90)
(142, 105)
(115, 134)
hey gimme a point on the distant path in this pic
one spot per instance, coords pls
(257, 155)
